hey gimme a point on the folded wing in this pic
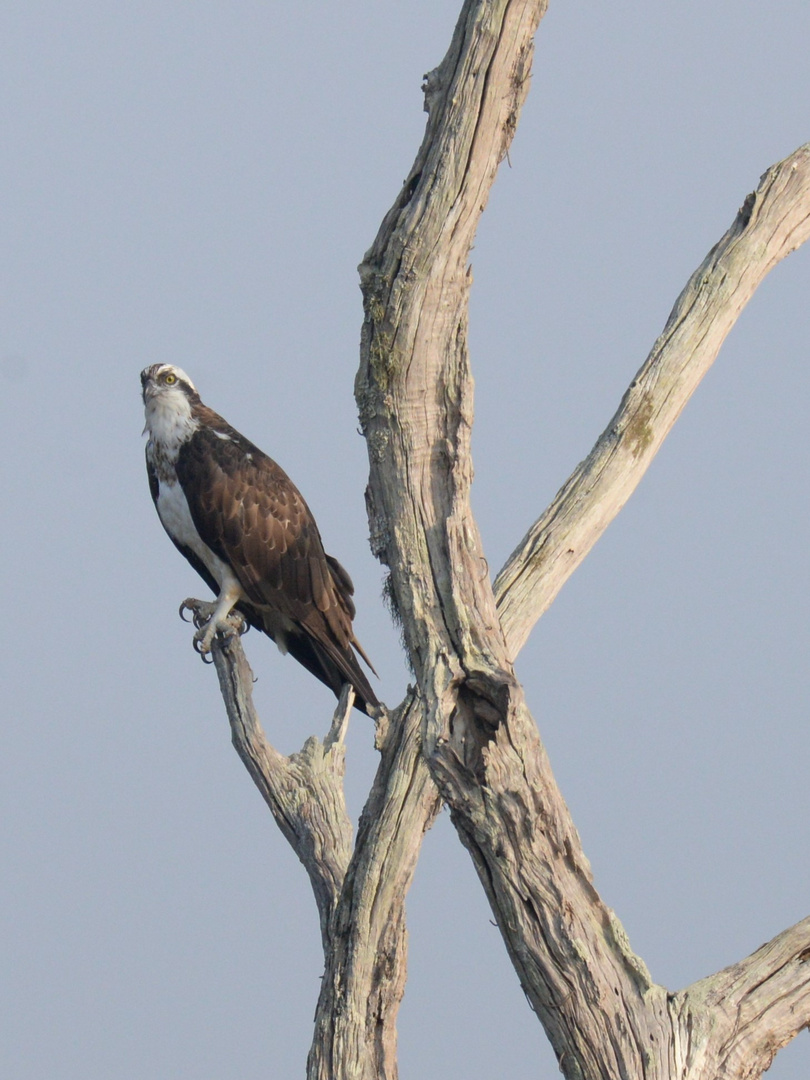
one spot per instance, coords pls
(253, 517)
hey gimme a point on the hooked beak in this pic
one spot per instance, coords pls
(149, 390)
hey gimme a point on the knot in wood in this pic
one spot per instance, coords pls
(483, 704)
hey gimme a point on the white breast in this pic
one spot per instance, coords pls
(172, 507)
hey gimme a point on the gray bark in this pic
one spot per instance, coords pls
(361, 892)
(771, 223)
(465, 733)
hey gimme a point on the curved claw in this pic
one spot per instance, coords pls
(197, 609)
(203, 653)
(200, 611)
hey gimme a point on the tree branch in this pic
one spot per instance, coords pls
(604, 1016)
(360, 894)
(773, 221)
(365, 930)
(467, 722)
(304, 791)
(355, 1023)
(727, 1026)
(413, 388)
(758, 1005)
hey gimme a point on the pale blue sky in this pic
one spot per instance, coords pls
(196, 183)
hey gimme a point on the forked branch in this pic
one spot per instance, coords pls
(361, 892)
(602, 1012)
(467, 721)
(304, 791)
(755, 1007)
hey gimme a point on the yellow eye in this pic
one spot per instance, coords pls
(170, 379)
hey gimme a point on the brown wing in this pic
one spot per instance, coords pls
(253, 517)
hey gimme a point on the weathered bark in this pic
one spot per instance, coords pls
(360, 894)
(772, 222)
(603, 1015)
(304, 791)
(466, 728)
(355, 1024)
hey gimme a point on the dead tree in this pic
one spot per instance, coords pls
(463, 735)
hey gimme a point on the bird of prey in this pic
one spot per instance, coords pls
(244, 527)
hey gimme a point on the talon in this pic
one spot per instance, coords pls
(201, 611)
(204, 637)
(210, 620)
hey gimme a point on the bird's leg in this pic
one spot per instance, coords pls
(209, 618)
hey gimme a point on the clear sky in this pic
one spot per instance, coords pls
(196, 183)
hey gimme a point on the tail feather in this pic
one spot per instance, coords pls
(333, 667)
(326, 660)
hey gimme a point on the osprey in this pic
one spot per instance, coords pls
(244, 527)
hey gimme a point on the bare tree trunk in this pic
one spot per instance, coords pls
(594, 997)
(465, 731)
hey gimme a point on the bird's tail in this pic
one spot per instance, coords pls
(334, 666)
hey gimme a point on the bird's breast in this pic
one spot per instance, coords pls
(174, 513)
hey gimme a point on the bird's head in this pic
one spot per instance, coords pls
(170, 401)
(167, 382)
